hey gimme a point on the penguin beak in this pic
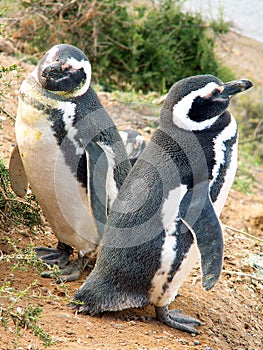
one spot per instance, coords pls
(53, 71)
(234, 87)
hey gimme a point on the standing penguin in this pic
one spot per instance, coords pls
(71, 154)
(166, 214)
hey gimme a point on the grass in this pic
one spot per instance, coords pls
(26, 317)
(17, 311)
(243, 181)
(7, 74)
(15, 210)
(248, 111)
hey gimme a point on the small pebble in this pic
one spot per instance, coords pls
(196, 342)
(118, 326)
(89, 336)
(63, 316)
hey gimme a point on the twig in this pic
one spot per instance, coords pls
(228, 272)
(254, 139)
(243, 274)
(244, 233)
(8, 114)
(118, 44)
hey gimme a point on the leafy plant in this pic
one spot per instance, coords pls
(244, 180)
(27, 316)
(131, 46)
(23, 317)
(7, 74)
(15, 210)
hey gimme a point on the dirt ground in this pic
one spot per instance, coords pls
(231, 313)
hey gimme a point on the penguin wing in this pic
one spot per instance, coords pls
(18, 177)
(198, 215)
(97, 167)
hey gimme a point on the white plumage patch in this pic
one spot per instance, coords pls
(111, 187)
(68, 109)
(169, 216)
(180, 276)
(124, 136)
(220, 148)
(87, 69)
(182, 108)
(52, 54)
(171, 205)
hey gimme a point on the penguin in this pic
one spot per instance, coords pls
(166, 215)
(134, 143)
(70, 152)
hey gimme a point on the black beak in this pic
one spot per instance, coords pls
(53, 71)
(234, 87)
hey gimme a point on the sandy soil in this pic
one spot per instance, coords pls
(231, 312)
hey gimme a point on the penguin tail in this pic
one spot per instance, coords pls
(92, 298)
(99, 294)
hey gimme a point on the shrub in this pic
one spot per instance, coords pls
(141, 46)
(14, 210)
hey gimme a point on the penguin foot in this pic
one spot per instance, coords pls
(71, 272)
(59, 256)
(176, 319)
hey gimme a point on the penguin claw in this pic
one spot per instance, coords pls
(69, 273)
(177, 319)
(73, 271)
(181, 317)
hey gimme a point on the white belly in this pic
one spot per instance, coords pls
(229, 178)
(168, 254)
(63, 200)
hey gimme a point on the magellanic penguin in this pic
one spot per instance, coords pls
(166, 213)
(134, 144)
(72, 154)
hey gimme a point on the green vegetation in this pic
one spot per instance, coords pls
(16, 308)
(25, 317)
(140, 45)
(248, 109)
(14, 210)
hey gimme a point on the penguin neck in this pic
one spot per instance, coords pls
(167, 125)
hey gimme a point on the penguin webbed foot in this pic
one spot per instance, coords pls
(176, 319)
(73, 271)
(69, 273)
(59, 256)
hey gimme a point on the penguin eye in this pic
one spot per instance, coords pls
(216, 93)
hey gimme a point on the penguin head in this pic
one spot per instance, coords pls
(64, 69)
(198, 101)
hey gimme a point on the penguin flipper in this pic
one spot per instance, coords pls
(200, 218)
(18, 177)
(97, 167)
